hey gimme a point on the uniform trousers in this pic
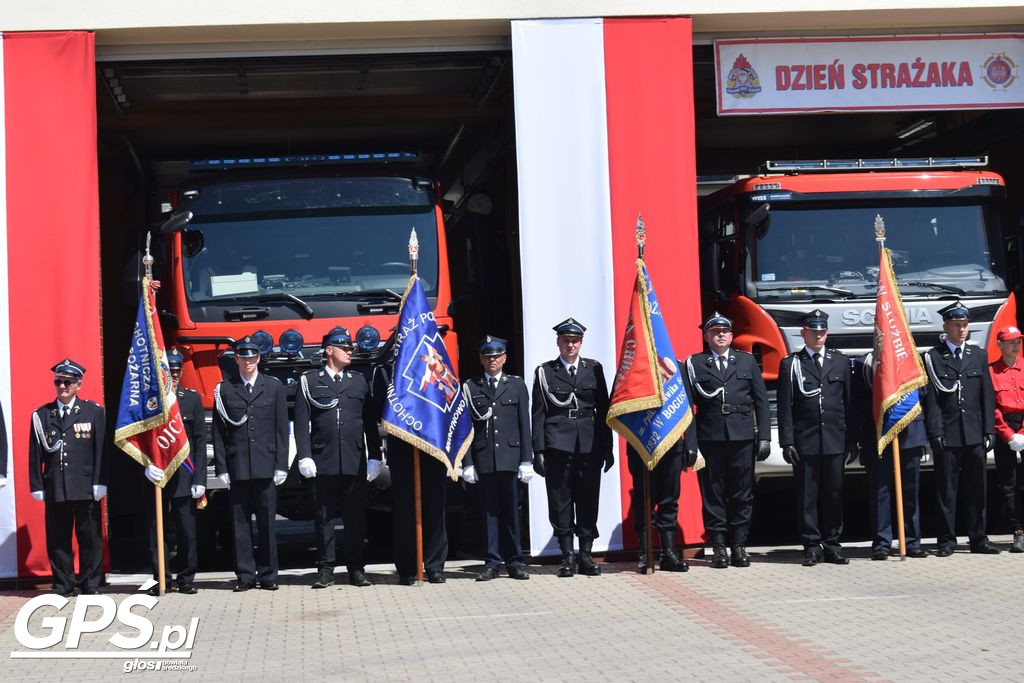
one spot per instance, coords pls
(573, 482)
(819, 485)
(254, 497)
(727, 488)
(345, 493)
(82, 517)
(955, 465)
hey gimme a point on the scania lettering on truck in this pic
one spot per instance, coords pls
(800, 236)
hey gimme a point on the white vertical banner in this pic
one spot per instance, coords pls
(565, 238)
(8, 518)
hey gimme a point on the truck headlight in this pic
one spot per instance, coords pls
(291, 342)
(367, 338)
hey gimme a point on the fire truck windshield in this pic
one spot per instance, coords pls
(308, 256)
(311, 238)
(806, 251)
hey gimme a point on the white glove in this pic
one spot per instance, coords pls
(3, 482)
(372, 469)
(98, 492)
(226, 478)
(38, 495)
(526, 472)
(154, 474)
(469, 475)
(926, 456)
(307, 468)
(1016, 443)
(279, 477)
(198, 491)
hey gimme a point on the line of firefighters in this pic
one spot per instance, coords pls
(823, 424)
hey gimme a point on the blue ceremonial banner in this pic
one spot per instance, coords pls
(908, 404)
(649, 406)
(425, 405)
(149, 427)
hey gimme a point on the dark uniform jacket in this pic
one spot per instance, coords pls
(963, 417)
(824, 424)
(740, 412)
(580, 423)
(3, 444)
(70, 472)
(191, 407)
(501, 442)
(260, 445)
(334, 438)
(862, 376)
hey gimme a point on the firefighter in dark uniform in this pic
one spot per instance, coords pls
(665, 488)
(960, 418)
(335, 429)
(500, 456)
(817, 433)
(67, 471)
(184, 487)
(250, 449)
(1008, 382)
(733, 429)
(433, 495)
(913, 439)
(571, 444)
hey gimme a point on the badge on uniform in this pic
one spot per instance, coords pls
(83, 430)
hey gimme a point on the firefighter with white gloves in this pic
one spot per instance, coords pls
(1008, 382)
(335, 430)
(500, 457)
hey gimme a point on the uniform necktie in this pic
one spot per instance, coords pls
(572, 371)
(957, 354)
(817, 360)
(248, 388)
(64, 410)
(337, 378)
(721, 363)
(494, 383)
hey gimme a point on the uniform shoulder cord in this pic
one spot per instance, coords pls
(219, 403)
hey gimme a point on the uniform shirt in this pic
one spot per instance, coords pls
(1008, 382)
(567, 365)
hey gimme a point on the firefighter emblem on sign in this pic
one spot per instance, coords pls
(999, 71)
(742, 80)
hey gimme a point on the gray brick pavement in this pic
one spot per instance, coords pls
(957, 617)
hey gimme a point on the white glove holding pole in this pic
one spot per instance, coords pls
(38, 495)
(1016, 443)
(198, 491)
(279, 477)
(372, 469)
(307, 468)
(526, 472)
(469, 475)
(98, 492)
(154, 474)
(226, 478)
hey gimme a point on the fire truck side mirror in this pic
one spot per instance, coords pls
(176, 223)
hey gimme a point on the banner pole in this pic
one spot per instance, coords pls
(418, 494)
(648, 536)
(898, 485)
(161, 576)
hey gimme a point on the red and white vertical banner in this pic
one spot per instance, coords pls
(604, 132)
(49, 255)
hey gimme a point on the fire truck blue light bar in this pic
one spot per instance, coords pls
(304, 160)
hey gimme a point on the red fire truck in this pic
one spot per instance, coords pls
(800, 236)
(286, 248)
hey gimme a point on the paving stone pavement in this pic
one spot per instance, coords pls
(927, 619)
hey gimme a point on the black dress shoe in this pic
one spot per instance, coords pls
(64, 593)
(720, 560)
(944, 551)
(586, 565)
(880, 554)
(324, 578)
(154, 590)
(406, 580)
(836, 558)
(740, 557)
(985, 548)
(917, 552)
(435, 577)
(188, 589)
(243, 586)
(96, 591)
(487, 574)
(268, 586)
(671, 562)
(568, 566)
(517, 572)
(358, 578)
(811, 558)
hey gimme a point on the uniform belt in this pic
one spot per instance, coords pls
(574, 413)
(728, 408)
